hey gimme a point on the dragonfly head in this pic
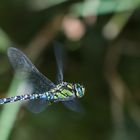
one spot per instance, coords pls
(80, 90)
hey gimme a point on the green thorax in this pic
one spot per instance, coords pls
(63, 92)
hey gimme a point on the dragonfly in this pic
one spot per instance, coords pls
(44, 92)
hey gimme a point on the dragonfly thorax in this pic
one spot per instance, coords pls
(68, 91)
(64, 92)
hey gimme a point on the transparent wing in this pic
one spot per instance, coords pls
(74, 105)
(59, 60)
(37, 81)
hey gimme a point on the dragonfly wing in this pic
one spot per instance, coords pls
(74, 105)
(29, 73)
(39, 86)
(58, 54)
(21, 63)
(38, 105)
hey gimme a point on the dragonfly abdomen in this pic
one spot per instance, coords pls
(24, 97)
(14, 99)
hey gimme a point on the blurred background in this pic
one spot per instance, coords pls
(101, 39)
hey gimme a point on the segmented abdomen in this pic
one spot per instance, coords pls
(23, 97)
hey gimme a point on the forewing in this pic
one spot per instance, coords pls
(37, 81)
(59, 60)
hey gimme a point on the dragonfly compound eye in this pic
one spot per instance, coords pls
(80, 90)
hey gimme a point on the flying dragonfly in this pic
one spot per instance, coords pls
(44, 92)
